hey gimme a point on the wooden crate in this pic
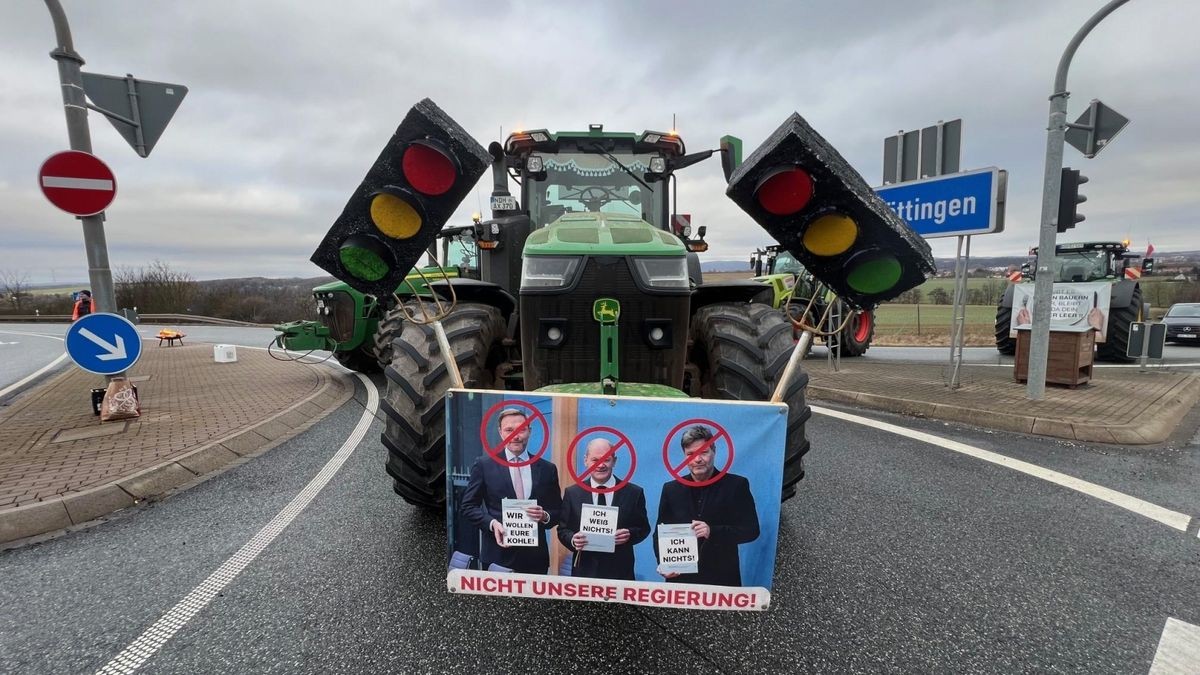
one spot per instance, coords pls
(1069, 361)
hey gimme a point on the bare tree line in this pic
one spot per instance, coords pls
(158, 288)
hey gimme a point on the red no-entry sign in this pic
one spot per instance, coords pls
(77, 182)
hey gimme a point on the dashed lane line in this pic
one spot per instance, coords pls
(1172, 519)
(157, 635)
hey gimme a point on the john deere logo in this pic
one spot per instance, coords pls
(606, 310)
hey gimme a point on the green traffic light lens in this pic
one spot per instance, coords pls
(873, 272)
(365, 258)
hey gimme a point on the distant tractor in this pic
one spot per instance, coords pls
(793, 287)
(1083, 262)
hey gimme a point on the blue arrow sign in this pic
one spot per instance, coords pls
(952, 205)
(104, 344)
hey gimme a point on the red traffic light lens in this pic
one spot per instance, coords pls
(785, 190)
(429, 169)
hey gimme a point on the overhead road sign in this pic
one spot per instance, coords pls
(77, 182)
(105, 344)
(139, 109)
(959, 204)
(933, 151)
(1095, 128)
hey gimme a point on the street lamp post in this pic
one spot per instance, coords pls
(1043, 289)
(74, 105)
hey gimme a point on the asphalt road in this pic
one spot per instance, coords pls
(896, 556)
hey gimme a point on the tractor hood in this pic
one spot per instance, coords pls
(602, 234)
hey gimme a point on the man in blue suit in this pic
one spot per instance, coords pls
(490, 482)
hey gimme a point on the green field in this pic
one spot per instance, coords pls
(895, 319)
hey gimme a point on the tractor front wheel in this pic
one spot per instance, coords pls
(1116, 342)
(386, 332)
(1004, 344)
(855, 337)
(741, 351)
(415, 435)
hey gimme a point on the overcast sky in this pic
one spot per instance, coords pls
(290, 102)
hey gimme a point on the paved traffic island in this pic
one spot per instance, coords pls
(60, 466)
(1119, 405)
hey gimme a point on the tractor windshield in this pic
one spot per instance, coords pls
(1081, 266)
(584, 181)
(786, 264)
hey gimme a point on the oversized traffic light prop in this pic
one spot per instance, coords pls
(1069, 199)
(801, 190)
(422, 175)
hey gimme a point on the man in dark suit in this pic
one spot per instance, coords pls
(632, 523)
(490, 482)
(721, 513)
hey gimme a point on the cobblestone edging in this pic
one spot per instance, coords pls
(192, 467)
(1152, 425)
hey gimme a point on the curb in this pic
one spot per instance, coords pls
(77, 508)
(1155, 427)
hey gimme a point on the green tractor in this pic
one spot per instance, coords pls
(357, 327)
(1109, 261)
(846, 332)
(583, 286)
(583, 282)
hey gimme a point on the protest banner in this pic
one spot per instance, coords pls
(607, 519)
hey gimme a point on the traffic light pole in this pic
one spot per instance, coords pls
(74, 105)
(1043, 288)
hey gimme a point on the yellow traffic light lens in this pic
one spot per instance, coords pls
(395, 216)
(873, 272)
(831, 234)
(365, 257)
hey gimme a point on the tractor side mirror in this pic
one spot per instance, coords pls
(731, 155)
(1147, 266)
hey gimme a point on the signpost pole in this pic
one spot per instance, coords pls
(1043, 288)
(74, 105)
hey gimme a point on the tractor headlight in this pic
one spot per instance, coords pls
(539, 272)
(663, 272)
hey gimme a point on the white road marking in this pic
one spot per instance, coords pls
(1178, 650)
(157, 635)
(33, 376)
(1172, 519)
(77, 183)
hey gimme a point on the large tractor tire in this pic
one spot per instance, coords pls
(1114, 346)
(386, 332)
(415, 435)
(741, 351)
(855, 338)
(1004, 344)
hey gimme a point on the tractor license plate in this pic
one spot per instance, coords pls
(504, 203)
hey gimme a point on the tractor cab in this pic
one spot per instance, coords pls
(1093, 261)
(591, 172)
